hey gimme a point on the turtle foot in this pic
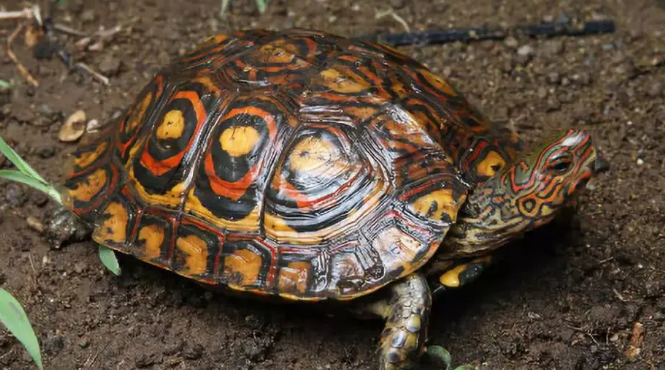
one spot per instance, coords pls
(61, 227)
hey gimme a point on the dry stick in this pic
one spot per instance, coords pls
(21, 68)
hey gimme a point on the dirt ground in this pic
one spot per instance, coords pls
(569, 296)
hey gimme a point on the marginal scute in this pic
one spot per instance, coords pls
(90, 187)
(152, 236)
(86, 158)
(195, 254)
(436, 204)
(114, 226)
(294, 277)
(243, 267)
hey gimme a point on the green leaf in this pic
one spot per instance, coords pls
(466, 367)
(108, 258)
(18, 176)
(22, 165)
(262, 5)
(5, 85)
(441, 354)
(14, 318)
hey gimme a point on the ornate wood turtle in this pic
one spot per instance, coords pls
(307, 166)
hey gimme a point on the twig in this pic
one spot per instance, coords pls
(99, 77)
(27, 13)
(442, 36)
(21, 68)
(395, 16)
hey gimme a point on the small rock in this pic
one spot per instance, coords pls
(53, 343)
(510, 42)
(562, 18)
(542, 92)
(73, 128)
(553, 47)
(46, 152)
(15, 195)
(193, 352)
(397, 4)
(582, 78)
(147, 360)
(525, 50)
(110, 65)
(253, 351)
(84, 343)
(88, 15)
(655, 89)
(35, 223)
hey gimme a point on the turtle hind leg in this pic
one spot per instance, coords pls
(62, 227)
(406, 308)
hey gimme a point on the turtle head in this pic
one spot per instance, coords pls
(526, 194)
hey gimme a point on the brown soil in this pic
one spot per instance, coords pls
(568, 297)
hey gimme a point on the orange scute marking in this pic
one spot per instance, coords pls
(152, 236)
(86, 190)
(86, 158)
(114, 226)
(245, 264)
(195, 250)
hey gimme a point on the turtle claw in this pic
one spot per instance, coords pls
(441, 356)
(63, 227)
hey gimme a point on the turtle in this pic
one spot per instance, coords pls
(305, 166)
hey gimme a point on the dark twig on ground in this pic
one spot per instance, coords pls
(442, 36)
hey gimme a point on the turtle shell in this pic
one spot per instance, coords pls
(294, 163)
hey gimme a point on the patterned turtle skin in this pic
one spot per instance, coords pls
(308, 166)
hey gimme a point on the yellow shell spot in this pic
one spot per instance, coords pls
(336, 81)
(451, 277)
(317, 157)
(435, 204)
(86, 190)
(294, 277)
(114, 227)
(245, 263)
(248, 224)
(86, 158)
(152, 236)
(195, 250)
(239, 141)
(172, 126)
(490, 165)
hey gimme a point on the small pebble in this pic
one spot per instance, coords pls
(397, 4)
(15, 195)
(510, 42)
(525, 50)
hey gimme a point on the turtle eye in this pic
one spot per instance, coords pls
(560, 164)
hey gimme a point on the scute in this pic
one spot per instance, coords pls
(296, 164)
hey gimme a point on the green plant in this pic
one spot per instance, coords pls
(15, 319)
(27, 175)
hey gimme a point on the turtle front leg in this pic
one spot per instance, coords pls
(406, 309)
(63, 227)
